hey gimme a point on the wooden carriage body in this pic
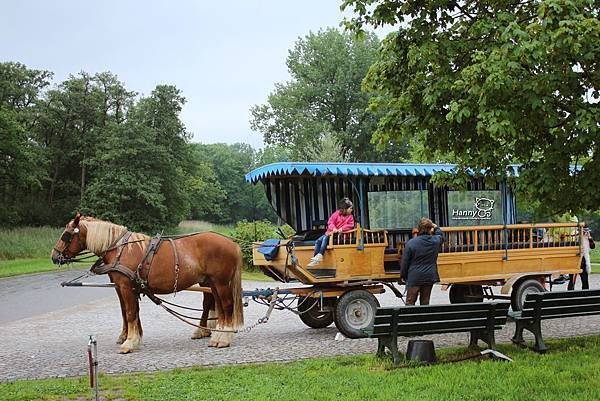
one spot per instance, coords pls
(474, 252)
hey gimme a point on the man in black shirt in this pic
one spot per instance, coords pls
(419, 262)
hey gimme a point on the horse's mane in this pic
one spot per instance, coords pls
(102, 234)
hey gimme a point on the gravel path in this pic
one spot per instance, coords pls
(53, 344)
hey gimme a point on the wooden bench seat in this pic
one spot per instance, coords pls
(552, 305)
(479, 318)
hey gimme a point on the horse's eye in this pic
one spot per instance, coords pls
(76, 230)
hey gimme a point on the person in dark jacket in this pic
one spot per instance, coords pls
(419, 262)
(586, 264)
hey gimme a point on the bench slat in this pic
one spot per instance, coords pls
(549, 303)
(441, 316)
(432, 326)
(566, 311)
(579, 314)
(563, 294)
(431, 332)
(417, 309)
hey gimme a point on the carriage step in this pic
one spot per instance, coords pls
(322, 273)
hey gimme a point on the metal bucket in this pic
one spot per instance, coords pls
(421, 350)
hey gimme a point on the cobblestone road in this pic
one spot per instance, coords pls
(53, 344)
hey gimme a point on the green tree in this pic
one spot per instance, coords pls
(327, 149)
(207, 198)
(243, 201)
(160, 113)
(72, 121)
(494, 83)
(22, 171)
(324, 95)
(142, 166)
(127, 187)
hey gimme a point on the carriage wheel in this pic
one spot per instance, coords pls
(520, 291)
(354, 312)
(310, 312)
(463, 293)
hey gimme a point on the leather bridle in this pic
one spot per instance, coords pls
(66, 238)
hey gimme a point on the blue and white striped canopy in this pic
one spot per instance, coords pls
(349, 169)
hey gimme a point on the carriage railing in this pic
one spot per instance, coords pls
(354, 236)
(397, 238)
(514, 236)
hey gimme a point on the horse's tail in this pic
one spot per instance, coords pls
(236, 289)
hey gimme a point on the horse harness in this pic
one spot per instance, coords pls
(140, 276)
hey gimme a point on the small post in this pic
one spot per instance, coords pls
(93, 366)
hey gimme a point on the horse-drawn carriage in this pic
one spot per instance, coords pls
(483, 246)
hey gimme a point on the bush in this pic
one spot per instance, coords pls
(247, 232)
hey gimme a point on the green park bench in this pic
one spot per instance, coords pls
(552, 305)
(481, 319)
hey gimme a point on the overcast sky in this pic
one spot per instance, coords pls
(224, 55)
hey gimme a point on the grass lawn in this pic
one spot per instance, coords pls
(569, 371)
(17, 267)
(595, 254)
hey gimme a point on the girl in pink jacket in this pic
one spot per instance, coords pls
(341, 220)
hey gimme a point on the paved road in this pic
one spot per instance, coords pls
(32, 295)
(46, 335)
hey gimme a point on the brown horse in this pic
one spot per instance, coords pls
(203, 258)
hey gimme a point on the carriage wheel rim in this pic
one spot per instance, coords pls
(530, 290)
(359, 314)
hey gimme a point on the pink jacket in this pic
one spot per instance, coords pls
(339, 221)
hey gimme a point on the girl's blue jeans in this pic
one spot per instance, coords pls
(321, 244)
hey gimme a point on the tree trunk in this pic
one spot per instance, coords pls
(53, 185)
(82, 181)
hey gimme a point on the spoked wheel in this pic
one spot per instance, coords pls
(464, 293)
(354, 312)
(520, 291)
(310, 312)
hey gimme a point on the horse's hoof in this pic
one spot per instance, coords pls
(215, 339)
(225, 340)
(130, 345)
(200, 333)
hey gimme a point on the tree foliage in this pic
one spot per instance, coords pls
(324, 96)
(141, 166)
(21, 168)
(328, 148)
(240, 200)
(90, 144)
(494, 83)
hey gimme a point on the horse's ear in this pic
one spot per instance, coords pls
(76, 219)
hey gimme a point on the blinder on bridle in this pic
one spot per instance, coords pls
(67, 238)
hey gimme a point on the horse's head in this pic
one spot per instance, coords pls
(71, 242)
